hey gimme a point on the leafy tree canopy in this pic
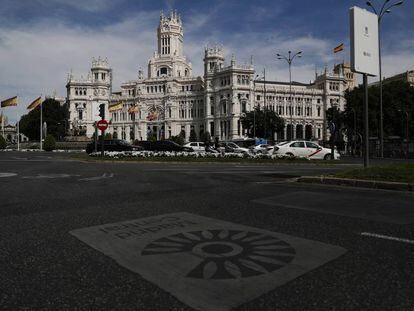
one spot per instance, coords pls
(55, 116)
(266, 122)
(398, 104)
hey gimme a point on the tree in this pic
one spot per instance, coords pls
(398, 101)
(50, 143)
(193, 136)
(258, 118)
(55, 116)
(205, 137)
(2, 142)
(178, 139)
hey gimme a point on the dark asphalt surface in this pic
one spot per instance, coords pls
(43, 267)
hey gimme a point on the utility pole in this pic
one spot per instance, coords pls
(380, 14)
(289, 59)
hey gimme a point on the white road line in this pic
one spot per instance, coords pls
(7, 174)
(386, 237)
(104, 176)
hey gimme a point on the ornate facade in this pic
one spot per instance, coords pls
(171, 100)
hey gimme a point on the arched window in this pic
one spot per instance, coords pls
(163, 71)
(186, 72)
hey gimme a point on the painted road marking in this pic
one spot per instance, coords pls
(50, 176)
(104, 176)
(384, 208)
(7, 174)
(209, 264)
(386, 237)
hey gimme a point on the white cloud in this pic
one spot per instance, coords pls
(37, 59)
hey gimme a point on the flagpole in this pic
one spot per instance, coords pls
(2, 121)
(18, 130)
(18, 135)
(41, 122)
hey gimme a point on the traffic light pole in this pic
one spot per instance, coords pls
(102, 115)
(102, 143)
(96, 138)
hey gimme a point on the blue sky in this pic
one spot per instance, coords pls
(41, 41)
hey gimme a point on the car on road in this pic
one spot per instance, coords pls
(232, 147)
(112, 145)
(163, 145)
(305, 149)
(196, 146)
(261, 149)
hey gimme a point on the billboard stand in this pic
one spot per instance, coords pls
(366, 120)
(364, 57)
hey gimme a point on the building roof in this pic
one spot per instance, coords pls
(295, 83)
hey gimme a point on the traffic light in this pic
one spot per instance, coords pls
(102, 111)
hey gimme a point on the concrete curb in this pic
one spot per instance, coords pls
(372, 184)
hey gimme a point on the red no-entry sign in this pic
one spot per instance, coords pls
(102, 125)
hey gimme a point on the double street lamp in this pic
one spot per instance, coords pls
(257, 78)
(385, 9)
(289, 59)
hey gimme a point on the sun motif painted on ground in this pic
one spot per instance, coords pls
(226, 254)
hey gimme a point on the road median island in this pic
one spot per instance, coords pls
(184, 157)
(389, 177)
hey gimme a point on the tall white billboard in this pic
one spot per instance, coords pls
(364, 41)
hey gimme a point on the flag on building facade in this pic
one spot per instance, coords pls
(133, 109)
(12, 101)
(115, 107)
(339, 48)
(35, 103)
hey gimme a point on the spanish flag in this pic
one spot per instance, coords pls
(9, 102)
(115, 107)
(35, 103)
(339, 48)
(133, 109)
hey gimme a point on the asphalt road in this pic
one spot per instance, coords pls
(334, 259)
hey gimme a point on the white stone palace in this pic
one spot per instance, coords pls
(171, 99)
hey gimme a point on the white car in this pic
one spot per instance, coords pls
(232, 147)
(262, 149)
(305, 149)
(197, 146)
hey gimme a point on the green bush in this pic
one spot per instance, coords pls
(2, 142)
(50, 143)
(178, 139)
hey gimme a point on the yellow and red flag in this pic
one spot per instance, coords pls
(115, 107)
(12, 101)
(133, 109)
(339, 48)
(35, 103)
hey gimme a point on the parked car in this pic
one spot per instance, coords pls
(306, 149)
(112, 145)
(163, 145)
(232, 147)
(261, 149)
(196, 146)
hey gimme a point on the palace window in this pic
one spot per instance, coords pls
(163, 71)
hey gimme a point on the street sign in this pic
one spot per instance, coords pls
(102, 125)
(364, 41)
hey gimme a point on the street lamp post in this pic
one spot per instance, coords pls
(254, 101)
(289, 60)
(380, 13)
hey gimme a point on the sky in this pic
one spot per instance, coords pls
(41, 41)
